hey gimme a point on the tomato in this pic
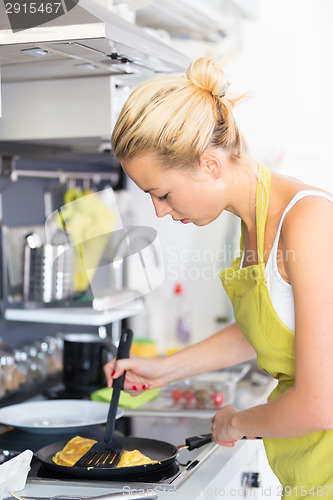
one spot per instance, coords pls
(188, 395)
(218, 399)
(202, 397)
(177, 394)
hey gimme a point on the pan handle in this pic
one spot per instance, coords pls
(194, 442)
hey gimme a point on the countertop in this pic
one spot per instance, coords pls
(209, 480)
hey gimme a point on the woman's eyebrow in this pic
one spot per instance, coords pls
(148, 190)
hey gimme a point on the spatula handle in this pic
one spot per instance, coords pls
(123, 353)
(118, 383)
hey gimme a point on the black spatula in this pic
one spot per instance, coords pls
(107, 452)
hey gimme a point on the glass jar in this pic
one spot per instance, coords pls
(38, 362)
(57, 348)
(11, 373)
(23, 365)
(2, 382)
(46, 348)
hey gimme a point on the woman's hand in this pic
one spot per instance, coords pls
(141, 373)
(223, 431)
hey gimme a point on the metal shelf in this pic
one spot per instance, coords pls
(74, 316)
(96, 167)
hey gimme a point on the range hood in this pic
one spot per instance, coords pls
(89, 40)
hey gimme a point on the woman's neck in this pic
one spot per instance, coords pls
(243, 190)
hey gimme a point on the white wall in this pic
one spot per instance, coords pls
(285, 65)
(282, 60)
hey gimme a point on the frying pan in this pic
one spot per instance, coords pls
(165, 453)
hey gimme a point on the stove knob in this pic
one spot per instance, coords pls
(250, 480)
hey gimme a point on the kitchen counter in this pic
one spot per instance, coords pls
(212, 479)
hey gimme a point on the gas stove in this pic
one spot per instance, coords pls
(169, 478)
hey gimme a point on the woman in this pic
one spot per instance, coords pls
(178, 140)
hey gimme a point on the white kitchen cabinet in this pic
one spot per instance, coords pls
(270, 485)
(254, 478)
(74, 111)
(245, 460)
(239, 485)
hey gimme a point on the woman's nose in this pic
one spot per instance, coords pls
(161, 207)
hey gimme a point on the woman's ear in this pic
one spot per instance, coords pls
(211, 162)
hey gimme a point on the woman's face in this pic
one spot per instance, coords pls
(186, 196)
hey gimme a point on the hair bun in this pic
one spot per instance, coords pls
(206, 74)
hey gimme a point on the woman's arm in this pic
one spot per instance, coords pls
(225, 348)
(308, 406)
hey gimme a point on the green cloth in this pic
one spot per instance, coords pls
(125, 400)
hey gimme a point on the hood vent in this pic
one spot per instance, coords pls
(89, 40)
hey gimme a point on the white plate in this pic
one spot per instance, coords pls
(56, 416)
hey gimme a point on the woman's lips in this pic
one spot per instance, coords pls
(184, 221)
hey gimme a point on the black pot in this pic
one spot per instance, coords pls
(84, 356)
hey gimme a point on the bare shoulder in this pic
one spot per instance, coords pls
(308, 212)
(307, 233)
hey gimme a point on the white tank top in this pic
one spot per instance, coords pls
(280, 291)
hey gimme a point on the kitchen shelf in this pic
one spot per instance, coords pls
(74, 315)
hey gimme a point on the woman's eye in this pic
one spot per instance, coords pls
(161, 198)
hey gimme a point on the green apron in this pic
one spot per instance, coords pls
(304, 465)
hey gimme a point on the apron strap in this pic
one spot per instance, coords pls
(241, 243)
(262, 200)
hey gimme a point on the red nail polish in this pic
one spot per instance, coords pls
(134, 388)
(114, 371)
(144, 386)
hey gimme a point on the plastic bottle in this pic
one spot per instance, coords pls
(183, 323)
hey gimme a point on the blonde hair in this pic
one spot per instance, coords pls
(179, 117)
